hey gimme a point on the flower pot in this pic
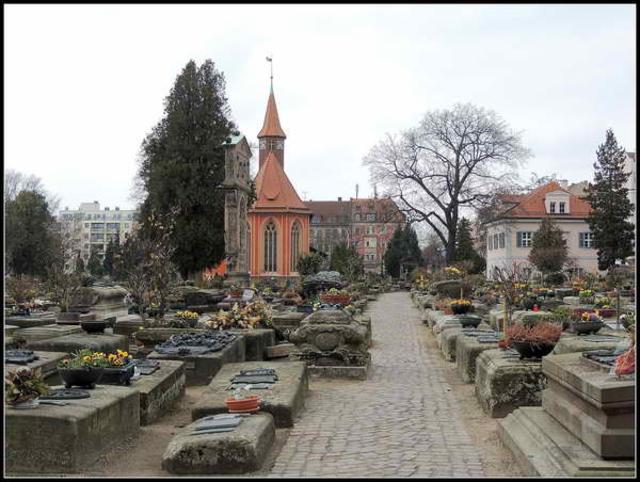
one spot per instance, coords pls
(81, 377)
(92, 327)
(586, 327)
(118, 375)
(249, 404)
(343, 300)
(460, 309)
(527, 349)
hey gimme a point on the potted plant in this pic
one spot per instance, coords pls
(586, 297)
(586, 323)
(335, 296)
(84, 368)
(119, 369)
(24, 387)
(533, 341)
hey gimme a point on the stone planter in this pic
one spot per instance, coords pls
(81, 377)
(335, 299)
(468, 320)
(93, 326)
(461, 309)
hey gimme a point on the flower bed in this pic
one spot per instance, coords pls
(254, 315)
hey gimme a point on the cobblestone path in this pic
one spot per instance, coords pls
(403, 421)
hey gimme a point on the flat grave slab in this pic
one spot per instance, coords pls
(104, 342)
(449, 339)
(285, 398)
(544, 448)
(200, 369)
(10, 329)
(236, 452)
(45, 332)
(596, 407)
(504, 382)
(35, 319)
(345, 372)
(467, 351)
(160, 390)
(281, 350)
(257, 341)
(47, 362)
(53, 439)
(603, 340)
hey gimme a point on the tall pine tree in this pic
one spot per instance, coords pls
(403, 251)
(610, 204)
(182, 167)
(548, 249)
(465, 250)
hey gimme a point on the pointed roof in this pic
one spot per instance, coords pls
(274, 190)
(271, 126)
(532, 205)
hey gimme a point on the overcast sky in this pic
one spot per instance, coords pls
(85, 84)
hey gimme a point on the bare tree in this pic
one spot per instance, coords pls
(62, 281)
(15, 182)
(455, 159)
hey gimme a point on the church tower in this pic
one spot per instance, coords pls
(271, 136)
(279, 220)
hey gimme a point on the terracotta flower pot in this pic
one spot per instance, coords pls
(248, 404)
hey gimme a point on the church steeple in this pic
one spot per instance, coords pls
(271, 135)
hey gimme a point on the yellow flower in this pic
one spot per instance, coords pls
(86, 359)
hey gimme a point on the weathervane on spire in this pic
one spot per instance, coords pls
(270, 60)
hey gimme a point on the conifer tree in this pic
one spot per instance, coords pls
(611, 208)
(403, 250)
(346, 260)
(465, 250)
(548, 248)
(182, 167)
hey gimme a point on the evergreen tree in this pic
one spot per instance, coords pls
(403, 250)
(109, 255)
(346, 260)
(79, 264)
(548, 248)
(611, 207)
(30, 233)
(94, 265)
(465, 250)
(182, 167)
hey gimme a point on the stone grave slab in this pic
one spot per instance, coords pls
(105, 342)
(603, 340)
(150, 337)
(531, 317)
(571, 300)
(53, 439)
(594, 406)
(47, 362)
(281, 350)
(45, 332)
(236, 452)
(200, 369)
(504, 382)
(10, 329)
(74, 318)
(467, 351)
(35, 319)
(285, 399)
(160, 390)
(449, 338)
(346, 372)
(128, 325)
(443, 322)
(257, 341)
(544, 448)
(103, 301)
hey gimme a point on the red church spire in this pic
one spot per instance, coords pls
(271, 125)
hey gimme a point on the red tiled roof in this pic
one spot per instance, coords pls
(532, 204)
(274, 189)
(271, 125)
(331, 211)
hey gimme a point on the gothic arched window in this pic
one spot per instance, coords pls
(296, 231)
(270, 247)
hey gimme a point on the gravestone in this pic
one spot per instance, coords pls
(104, 301)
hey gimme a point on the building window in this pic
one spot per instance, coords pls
(552, 207)
(270, 247)
(371, 217)
(295, 245)
(524, 239)
(495, 241)
(370, 230)
(501, 240)
(561, 207)
(490, 242)
(86, 225)
(357, 218)
(586, 240)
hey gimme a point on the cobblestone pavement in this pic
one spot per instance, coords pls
(401, 422)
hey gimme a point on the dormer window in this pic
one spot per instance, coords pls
(557, 202)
